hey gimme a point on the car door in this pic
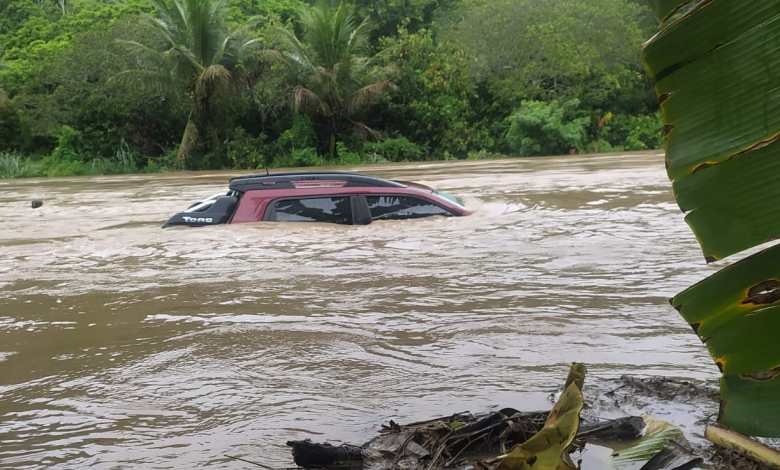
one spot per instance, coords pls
(329, 209)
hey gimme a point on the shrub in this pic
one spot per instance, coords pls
(600, 146)
(12, 133)
(69, 145)
(124, 161)
(645, 133)
(53, 166)
(301, 134)
(634, 132)
(346, 156)
(246, 151)
(13, 165)
(125, 158)
(547, 128)
(299, 157)
(398, 149)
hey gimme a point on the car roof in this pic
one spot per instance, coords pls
(291, 180)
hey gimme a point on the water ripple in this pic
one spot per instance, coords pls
(124, 345)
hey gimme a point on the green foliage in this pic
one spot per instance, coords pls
(543, 50)
(335, 84)
(201, 56)
(246, 151)
(347, 156)
(642, 132)
(306, 156)
(69, 146)
(527, 50)
(14, 165)
(398, 149)
(252, 83)
(42, 32)
(713, 75)
(12, 132)
(239, 11)
(547, 128)
(600, 146)
(439, 106)
(387, 16)
(300, 135)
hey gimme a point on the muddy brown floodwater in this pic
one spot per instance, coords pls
(123, 345)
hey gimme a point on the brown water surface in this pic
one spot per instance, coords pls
(126, 346)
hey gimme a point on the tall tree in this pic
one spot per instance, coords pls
(199, 53)
(550, 49)
(336, 83)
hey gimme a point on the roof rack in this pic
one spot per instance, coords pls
(288, 180)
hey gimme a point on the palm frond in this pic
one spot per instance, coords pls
(335, 82)
(154, 80)
(202, 57)
(219, 54)
(305, 100)
(365, 131)
(213, 79)
(214, 74)
(293, 49)
(138, 48)
(273, 55)
(359, 36)
(367, 96)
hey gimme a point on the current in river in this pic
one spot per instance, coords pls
(123, 345)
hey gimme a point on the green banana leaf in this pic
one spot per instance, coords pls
(664, 8)
(737, 315)
(716, 65)
(548, 449)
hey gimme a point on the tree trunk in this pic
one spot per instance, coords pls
(332, 143)
(188, 141)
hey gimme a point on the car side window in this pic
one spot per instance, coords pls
(337, 210)
(393, 207)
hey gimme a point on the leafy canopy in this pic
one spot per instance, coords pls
(200, 54)
(336, 82)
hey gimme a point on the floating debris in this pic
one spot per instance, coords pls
(509, 439)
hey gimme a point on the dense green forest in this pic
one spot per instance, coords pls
(108, 86)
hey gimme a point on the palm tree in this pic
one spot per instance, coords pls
(336, 84)
(200, 54)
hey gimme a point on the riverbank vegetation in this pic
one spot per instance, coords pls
(88, 86)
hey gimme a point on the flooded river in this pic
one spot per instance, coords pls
(123, 345)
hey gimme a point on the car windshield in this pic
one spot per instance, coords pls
(206, 203)
(450, 197)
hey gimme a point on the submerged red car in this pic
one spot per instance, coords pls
(340, 198)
